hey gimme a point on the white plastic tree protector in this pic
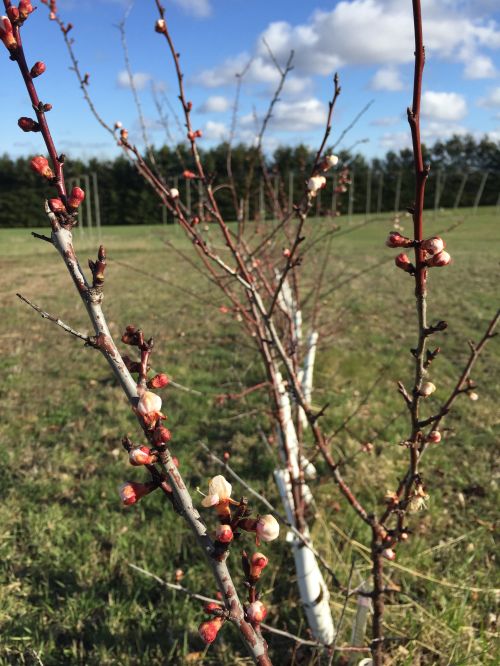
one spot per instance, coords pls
(307, 374)
(313, 590)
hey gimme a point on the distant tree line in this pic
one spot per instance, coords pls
(458, 167)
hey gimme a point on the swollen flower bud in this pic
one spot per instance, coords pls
(76, 197)
(37, 69)
(56, 206)
(315, 184)
(209, 629)
(389, 554)
(267, 528)
(188, 175)
(174, 192)
(395, 239)
(427, 389)
(433, 245)
(258, 562)
(160, 25)
(13, 14)
(434, 436)
(161, 435)
(40, 165)
(25, 9)
(224, 533)
(402, 261)
(28, 124)
(440, 259)
(142, 455)
(7, 33)
(158, 381)
(256, 612)
(131, 492)
(148, 407)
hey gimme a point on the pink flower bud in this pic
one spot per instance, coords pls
(287, 252)
(161, 435)
(148, 407)
(160, 26)
(267, 528)
(25, 9)
(28, 124)
(37, 69)
(56, 206)
(224, 533)
(402, 261)
(212, 607)
(158, 381)
(209, 629)
(40, 165)
(389, 554)
(440, 259)
(395, 239)
(191, 136)
(188, 175)
(427, 389)
(124, 135)
(142, 455)
(76, 197)
(433, 245)
(198, 134)
(7, 34)
(131, 492)
(256, 612)
(13, 14)
(434, 436)
(258, 562)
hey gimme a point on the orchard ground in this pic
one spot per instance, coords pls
(67, 592)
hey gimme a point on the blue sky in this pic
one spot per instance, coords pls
(369, 42)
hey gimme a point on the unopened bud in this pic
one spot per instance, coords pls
(287, 252)
(7, 33)
(427, 389)
(160, 26)
(224, 533)
(174, 192)
(434, 436)
(267, 528)
(131, 492)
(76, 197)
(256, 612)
(161, 435)
(258, 562)
(142, 455)
(440, 259)
(25, 9)
(37, 69)
(433, 245)
(208, 630)
(389, 554)
(473, 396)
(13, 14)
(124, 135)
(395, 239)
(56, 206)
(28, 124)
(40, 165)
(402, 261)
(188, 175)
(158, 381)
(198, 134)
(212, 607)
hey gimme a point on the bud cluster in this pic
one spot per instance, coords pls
(435, 254)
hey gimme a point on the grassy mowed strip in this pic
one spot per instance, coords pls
(67, 591)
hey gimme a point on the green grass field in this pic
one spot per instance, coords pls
(67, 593)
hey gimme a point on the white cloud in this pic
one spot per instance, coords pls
(448, 106)
(440, 131)
(300, 116)
(215, 131)
(198, 8)
(395, 140)
(479, 67)
(215, 104)
(140, 79)
(491, 100)
(376, 32)
(387, 78)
